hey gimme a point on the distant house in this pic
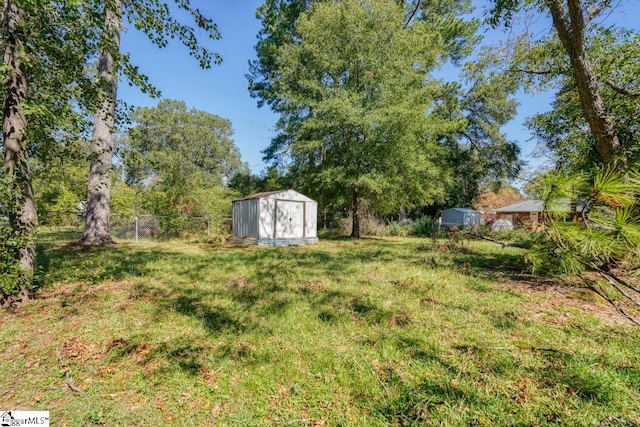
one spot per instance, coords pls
(460, 217)
(275, 218)
(521, 213)
(529, 212)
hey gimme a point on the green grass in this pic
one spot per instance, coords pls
(371, 332)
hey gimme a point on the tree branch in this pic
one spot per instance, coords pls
(498, 242)
(607, 298)
(614, 284)
(415, 9)
(621, 89)
(616, 278)
(596, 10)
(536, 72)
(576, 19)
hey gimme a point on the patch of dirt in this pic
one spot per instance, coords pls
(556, 299)
(316, 285)
(76, 348)
(83, 289)
(208, 375)
(399, 319)
(241, 283)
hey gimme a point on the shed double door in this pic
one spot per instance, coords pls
(289, 219)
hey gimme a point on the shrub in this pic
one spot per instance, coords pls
(425, 226)
(402, 228)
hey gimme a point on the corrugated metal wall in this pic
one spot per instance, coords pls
(460, 217)
(266, 219)
(311, 221)
(245, 213)
(452, 217)
(258, 218)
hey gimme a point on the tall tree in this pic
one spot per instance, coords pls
(483, 103)
(605, 242)
(564, 132)
(153, 17)
(96, 230)
(572, 20)
(355, 94)
(46, 45)
(171, 140)
(21, 209)
(182, 159)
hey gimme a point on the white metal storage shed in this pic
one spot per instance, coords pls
(275, 218)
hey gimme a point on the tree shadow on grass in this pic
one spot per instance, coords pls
(73, 262)
(177, 353)
(420, 404)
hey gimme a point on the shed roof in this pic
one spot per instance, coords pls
(259, 195)
(274, 194)
(524, 206)
(465, 210)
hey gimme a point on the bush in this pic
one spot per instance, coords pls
(402, 228)
(425, 226)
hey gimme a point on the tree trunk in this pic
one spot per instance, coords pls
(403, 214)
(22, 208)
(324, 218)
(355, 224)
(96, 230)
(571, 31)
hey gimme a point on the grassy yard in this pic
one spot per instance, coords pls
(370, 332)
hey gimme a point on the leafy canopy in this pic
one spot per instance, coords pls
(181, 158)
(355, 95)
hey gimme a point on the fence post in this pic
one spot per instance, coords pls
(136, 228)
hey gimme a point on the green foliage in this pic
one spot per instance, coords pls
(563, 132)
(604, 238)
(539, 61)
(397, 228)
(465, 120)
(60, 187)
(170, 143)
(425, 226)
(353, 96)
(11, 241)
(272, 178)
(125, 199)
(177, 162)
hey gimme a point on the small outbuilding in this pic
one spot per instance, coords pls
(460, 217)
(275, 218)
(522, 213)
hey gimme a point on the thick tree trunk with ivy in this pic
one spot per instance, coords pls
(21, 207)
(570, 25)
(96, 230)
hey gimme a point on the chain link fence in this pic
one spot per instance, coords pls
(137, 227)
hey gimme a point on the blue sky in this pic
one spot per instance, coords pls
(222, 90)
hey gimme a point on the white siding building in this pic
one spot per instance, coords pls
(277, 218)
